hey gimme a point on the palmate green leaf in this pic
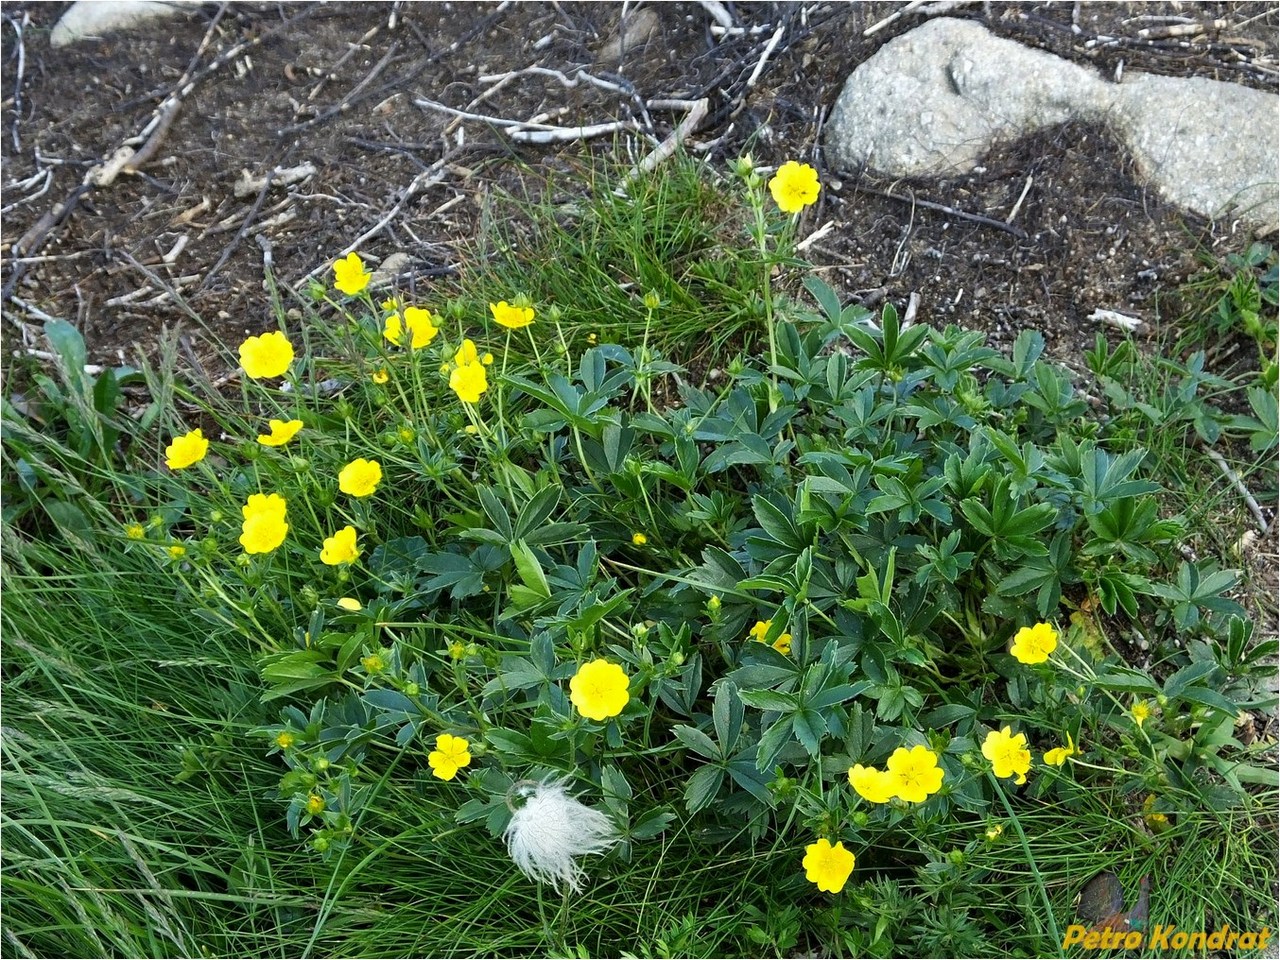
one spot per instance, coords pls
(1105, 478)
(698, 742)
(727, 714)
(769, 700)
(1187, 676)
(703, 787)
(530, 570)
(809, 729)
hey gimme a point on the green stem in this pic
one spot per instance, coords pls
(1031, 862)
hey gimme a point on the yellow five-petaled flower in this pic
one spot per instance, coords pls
(450, 755)
(872, 785)
(419, 322)
(349, 274)
(826, 865)
(915, 772)
(185, 450)
(599, 689)
(264, 523)
(1008, 754)
(266, 356)
(794, 186)
(469, 381)
(511, 317)
(1034, 644)
(282, 431)
(1058, 755)
(360, 477)
(340, 548)
(761, 630)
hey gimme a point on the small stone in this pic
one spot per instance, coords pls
(84, 20)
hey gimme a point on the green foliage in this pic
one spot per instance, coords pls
(817, 560)
(60, 442)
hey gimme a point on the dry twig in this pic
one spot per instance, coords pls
(1235, 481)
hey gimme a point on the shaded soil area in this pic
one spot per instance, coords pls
(304, 128)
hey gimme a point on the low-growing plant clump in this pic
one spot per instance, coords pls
(859, 607)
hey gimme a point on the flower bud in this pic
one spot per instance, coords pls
(652, 301)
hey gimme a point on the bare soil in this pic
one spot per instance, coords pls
(276, 86)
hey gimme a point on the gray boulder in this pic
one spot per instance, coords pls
(931, 102)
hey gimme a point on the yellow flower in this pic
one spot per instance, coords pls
(875, 786)
(1156, 821)
(994, 831)
(639, 539)
(469, 381)
(827, 866)
(1034, 644)
(467, 353)
(349, 275)
(285, 739)
(406, 435)
(599, 689)
(794, 186)
(1008, 754)
(1141, 710)
(135, 531)
(185, 450)
(450, 755)
(360, 477)
(266, 356)
(282, 431)
(420, 323)
(177, 551)
(471, 428)
(380, 376)
(349, 604)
(915, 772)
(264, 523)
(340, 548)
(270, 504)
(761, 630)
(457, 650)
(1058, 755)
(487, 359)
(373, 663)
(315, 804)
(513, 318)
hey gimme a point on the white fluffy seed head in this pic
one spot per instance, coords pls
(552, 828)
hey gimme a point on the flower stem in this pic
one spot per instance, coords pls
(1031, 861)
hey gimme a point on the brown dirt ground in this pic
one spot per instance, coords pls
(334, 85)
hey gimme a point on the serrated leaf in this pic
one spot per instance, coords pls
(697, 741)
(702, 788)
